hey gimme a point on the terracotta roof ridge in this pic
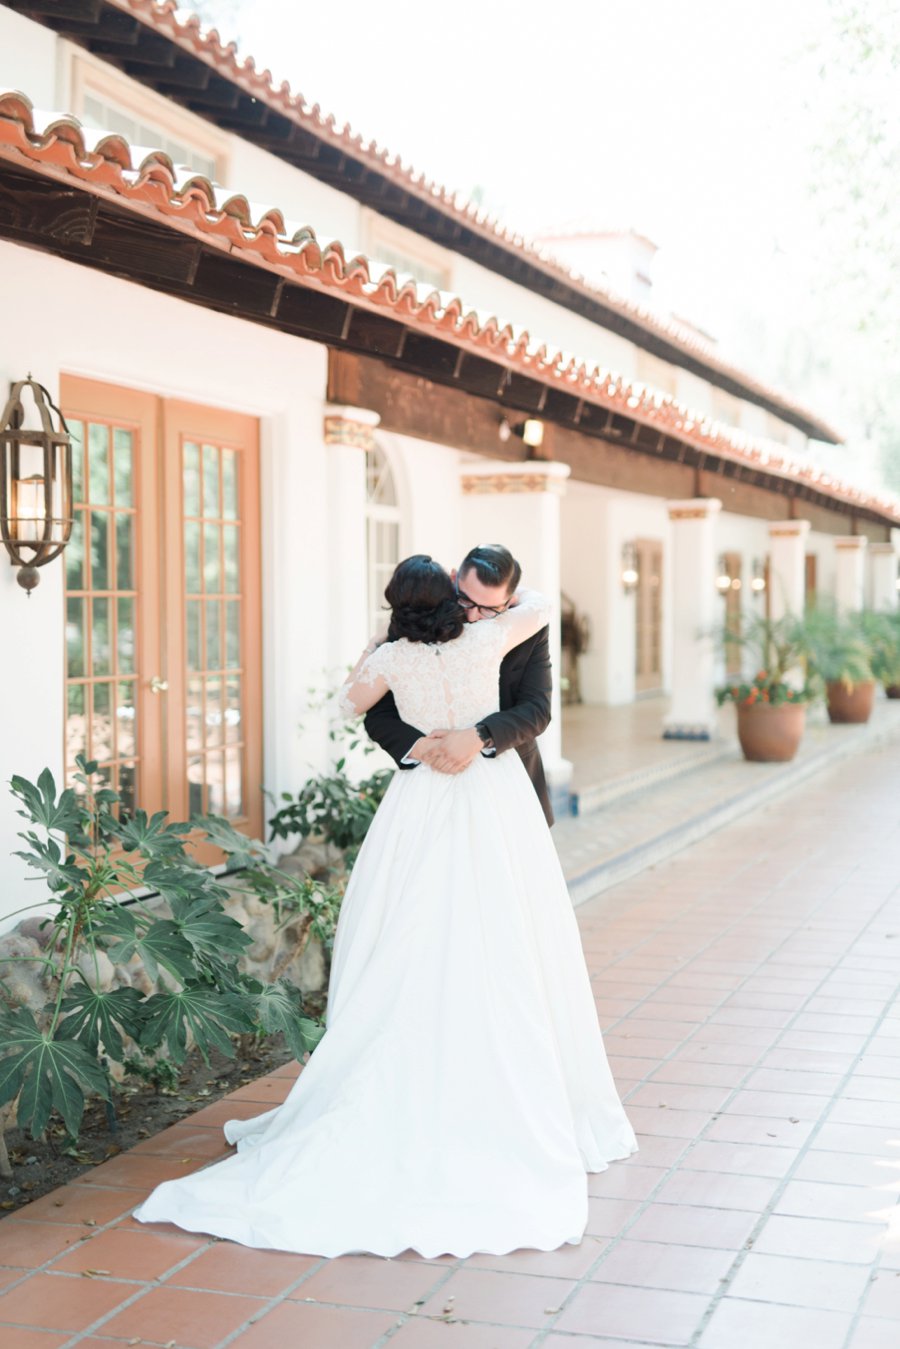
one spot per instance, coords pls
(186, 29)
(193, 203)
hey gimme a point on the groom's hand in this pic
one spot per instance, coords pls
(454, 750)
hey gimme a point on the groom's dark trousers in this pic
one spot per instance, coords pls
(525, 687)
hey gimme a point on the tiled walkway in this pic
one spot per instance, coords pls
(749, 988)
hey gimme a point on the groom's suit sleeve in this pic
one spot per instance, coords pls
(384, 726)
(529, 714)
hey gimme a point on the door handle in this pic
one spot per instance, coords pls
(158, 685)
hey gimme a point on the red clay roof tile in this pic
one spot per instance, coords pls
(59, 148)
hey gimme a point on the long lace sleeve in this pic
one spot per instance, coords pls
(368, 682)
(524, 619)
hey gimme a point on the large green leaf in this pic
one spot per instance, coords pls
(160, 943)
(49, 1074)
(178, 881)
(210, 1016)
(151, 836)
(279, 1008)
(60, 868)
(241, 850)
(41, 806)
(91, 1016)
(210, 931)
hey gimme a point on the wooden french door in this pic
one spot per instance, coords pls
(648, 625)
(163, 669)
(733, 612)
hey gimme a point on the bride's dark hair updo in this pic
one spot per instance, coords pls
(424, 607)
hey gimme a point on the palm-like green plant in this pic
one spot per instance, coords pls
(881, 632)
(96, 864)
(777, 650)
(837, 650)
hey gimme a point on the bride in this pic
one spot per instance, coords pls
(461, 1090)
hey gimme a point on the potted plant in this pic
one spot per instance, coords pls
(839, 654)
(882, 633)
(770, 707)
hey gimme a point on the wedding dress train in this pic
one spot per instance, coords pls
(461, 1091)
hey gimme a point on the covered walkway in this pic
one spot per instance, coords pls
(749, 992)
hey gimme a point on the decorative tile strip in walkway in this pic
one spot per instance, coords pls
(749, 991)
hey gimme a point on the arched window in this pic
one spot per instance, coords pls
(382, 531)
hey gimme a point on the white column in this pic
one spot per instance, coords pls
(518, 505)
(787, 567)
(884, 576)
(850, 573)
(692, 715)
(349, 433)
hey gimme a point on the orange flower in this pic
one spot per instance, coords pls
(762, 674)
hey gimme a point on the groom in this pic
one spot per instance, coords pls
(485, 585)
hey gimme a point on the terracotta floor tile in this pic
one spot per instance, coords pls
(193, 1320)
(795, 1060)
(569, 1262)
(626, 1182)
(653, 1121)
(79, 1205)
(126, 1254)
(783, 1131)
(693, 1073)
(825, 1284)
(28, 1245)
(777, 1104)
(874, 1334)
(857, 1203)
(607, 1217)
(711, 1189)
(650, 1315)
(720, 1229)
(655, 1152)
(305, 1325)
(857, 1138)
(505, 1299)
(227, 1268)
(883, 1298)
(423, 1334)
(142, 1172)
(750, 1325)
(820, 1239)
(677, 1096)
(20, 1338)
(868, 1087)
(62, 1301)
(880, 1173)
(783, 1079)
(366, 1281)
(743, 1159)
(876, 1114)
(646, 1264)
(184, 1141)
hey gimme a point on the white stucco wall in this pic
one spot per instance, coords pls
(112, 330)
(28, 58)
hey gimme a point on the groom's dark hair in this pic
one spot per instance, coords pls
(494, 565)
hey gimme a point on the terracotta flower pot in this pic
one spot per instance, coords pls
(850, 704)
(770, 734)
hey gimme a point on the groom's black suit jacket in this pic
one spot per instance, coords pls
(525, 687)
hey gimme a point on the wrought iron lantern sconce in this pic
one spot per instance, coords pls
(36, 512)
(758, 580)
(630, 574)
(723, 578)
(531, 431)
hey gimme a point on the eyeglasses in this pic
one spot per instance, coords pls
(486, 610)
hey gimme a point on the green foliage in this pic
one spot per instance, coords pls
(333, 808)
(90, 856)
(776, 647)
(836, 648)
(881, 632)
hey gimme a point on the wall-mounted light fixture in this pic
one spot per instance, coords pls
(531, 431)
(35, 482)
(723, 578)
(630, 574)
(758, 580)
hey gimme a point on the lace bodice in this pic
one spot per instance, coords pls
(447, 684)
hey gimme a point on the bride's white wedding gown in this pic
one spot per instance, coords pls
(461, 1091)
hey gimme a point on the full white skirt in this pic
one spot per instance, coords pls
(461, 1091)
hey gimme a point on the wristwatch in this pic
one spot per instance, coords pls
(484, 735)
